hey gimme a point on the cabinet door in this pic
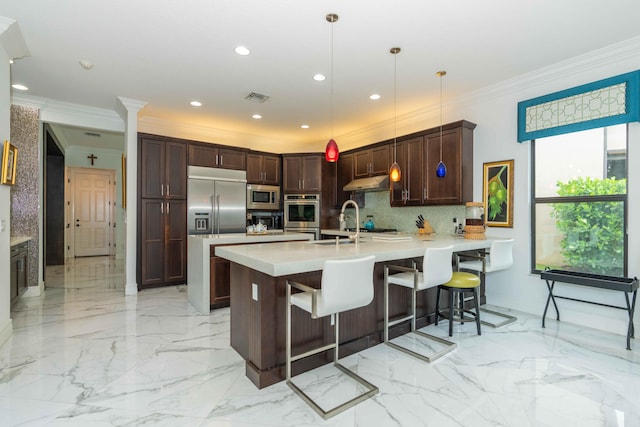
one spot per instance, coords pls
(361, 164)
(380, 163)
(219, 281)
(448, 189)
(408, 191)
(254, 168)
(201, 155)
(152, 153)
(175, 217)
(271, 170)
(292, 174)
(152, 241)
(232, 159)
(176, 171)
(344, 176)
(311, 173)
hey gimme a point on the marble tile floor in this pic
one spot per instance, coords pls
(87, 355)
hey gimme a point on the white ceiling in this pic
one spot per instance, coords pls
(168, 53)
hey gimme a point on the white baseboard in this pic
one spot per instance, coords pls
(131, 289)
(6, 330)
(33, 291)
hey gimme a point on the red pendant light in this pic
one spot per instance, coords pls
(331, 152)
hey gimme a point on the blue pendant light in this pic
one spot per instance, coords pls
(441, 169)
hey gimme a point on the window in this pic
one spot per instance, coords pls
(579, 201)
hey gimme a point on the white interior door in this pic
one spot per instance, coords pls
(92, 203)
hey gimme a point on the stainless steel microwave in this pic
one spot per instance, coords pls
(263, 197)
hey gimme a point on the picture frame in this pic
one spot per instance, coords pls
(9, 162)
(124, 181)
(497, 193)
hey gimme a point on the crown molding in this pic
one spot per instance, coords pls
(67, 113)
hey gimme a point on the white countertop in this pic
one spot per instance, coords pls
(281, 259)
(240, 238)
(16, 240)
(198, 258)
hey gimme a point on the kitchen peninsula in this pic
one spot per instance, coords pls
(201, 263)
(258, 283)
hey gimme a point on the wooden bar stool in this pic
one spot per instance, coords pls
(459, 284)
(436, 269)
(346, 284)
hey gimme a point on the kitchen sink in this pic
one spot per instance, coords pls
(330, 242)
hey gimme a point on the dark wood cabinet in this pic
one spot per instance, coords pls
(162, 211)
(219, 281)
(209, 155)
(19, 269)
(302, 173)
(371, 161)
(408, 191)
(163, 249)
(418, 156)
(163, 169)
(344, 176)
(263, 169)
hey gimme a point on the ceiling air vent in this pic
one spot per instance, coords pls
(256, 97)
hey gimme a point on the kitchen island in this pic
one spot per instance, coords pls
(200, 262)
(258, 284)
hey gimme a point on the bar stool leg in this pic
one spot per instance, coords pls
(476, 299)
(437, 304)
(451, 310)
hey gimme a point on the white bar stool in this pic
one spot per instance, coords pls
(500, 257)
(345, 285)
(436, 270)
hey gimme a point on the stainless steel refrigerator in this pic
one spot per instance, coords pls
(216, 200)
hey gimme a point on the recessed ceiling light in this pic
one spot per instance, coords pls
(305, 126)
(196, 103)
(241, 50)
(374, 97)
(319, 77)
(19, 87)
(11, 61)
(257, 116)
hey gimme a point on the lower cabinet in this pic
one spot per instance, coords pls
(163, 245)
(19, 258)
(219, 280)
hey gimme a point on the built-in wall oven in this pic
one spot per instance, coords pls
(302, 213)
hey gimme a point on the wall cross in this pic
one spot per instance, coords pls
(92, 158)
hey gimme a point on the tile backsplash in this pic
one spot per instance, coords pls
(404, 218)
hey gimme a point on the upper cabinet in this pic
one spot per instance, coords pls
(263, 169)
(302, 173)
(371, 161)
(344, 176)
(163, 168)
(418, 156)
(208, 155)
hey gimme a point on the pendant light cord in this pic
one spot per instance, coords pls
(331, 109)
(395, 104)
(441, 75)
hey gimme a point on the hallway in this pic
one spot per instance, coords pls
(84, 354)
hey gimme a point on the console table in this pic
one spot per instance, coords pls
(623, 284)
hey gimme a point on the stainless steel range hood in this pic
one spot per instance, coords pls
(374, 183)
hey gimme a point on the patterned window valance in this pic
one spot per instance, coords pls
(603, 103)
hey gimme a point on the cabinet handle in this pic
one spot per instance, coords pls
(168, 204)
(162, 208)
(167, 190)
(221, 163)
(299, 184)
(424, 193)
(162, 189)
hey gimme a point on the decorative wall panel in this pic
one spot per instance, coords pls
(25, 128)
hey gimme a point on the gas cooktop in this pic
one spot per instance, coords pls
(374, 230)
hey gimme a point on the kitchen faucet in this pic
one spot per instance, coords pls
(355, 237)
